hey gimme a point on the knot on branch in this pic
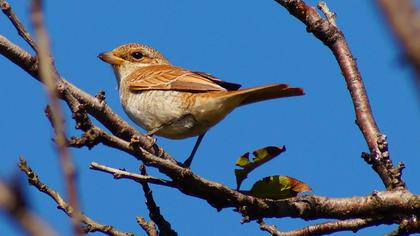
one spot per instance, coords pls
(382, 158)
(81, 117)
(135, 142)
(89, 139)
(323, 29)
(100, 96)
(396, 173)
(407, 226)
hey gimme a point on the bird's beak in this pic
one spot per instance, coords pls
(110, 58)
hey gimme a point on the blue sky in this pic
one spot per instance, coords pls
(246, 42)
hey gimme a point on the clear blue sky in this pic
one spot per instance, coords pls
(246, 42)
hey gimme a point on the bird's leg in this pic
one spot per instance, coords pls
(187, 162)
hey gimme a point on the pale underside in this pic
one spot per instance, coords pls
(178, 102)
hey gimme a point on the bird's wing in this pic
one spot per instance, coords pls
(167, 77)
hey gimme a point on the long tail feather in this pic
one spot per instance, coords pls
(266, 92)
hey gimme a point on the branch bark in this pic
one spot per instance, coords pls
(122, 174)
(326, 227)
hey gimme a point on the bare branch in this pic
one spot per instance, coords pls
(327, 13)
(8, 11)
(326, 228)
(148, 227)
(14, 204)
(154, 211)
(332, 37)
(90, 225)
(122, 174)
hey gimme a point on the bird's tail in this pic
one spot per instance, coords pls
(266, 92)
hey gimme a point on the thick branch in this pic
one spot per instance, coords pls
(309, 207)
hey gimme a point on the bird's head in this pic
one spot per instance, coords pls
(128, 57)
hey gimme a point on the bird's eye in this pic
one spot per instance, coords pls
(137, 55)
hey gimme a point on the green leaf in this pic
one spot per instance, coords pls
(261, 156)
(278, 187)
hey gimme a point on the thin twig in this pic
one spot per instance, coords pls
(122, 174)
(272, 229)
(331, 36)
(154, 211)
(325, 228)
(13, 202)
(90, 225)
(48, 73)
(148, 226)
(8, 11)
(328, 14)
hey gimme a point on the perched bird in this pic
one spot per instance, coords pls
(174, 102)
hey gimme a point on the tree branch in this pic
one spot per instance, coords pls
(148, 227)
(332, 37)
(154, 211)
(90, 225)
(326, 228)
(8, 11)
(122, 174)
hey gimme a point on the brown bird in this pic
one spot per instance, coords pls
(174, 102)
